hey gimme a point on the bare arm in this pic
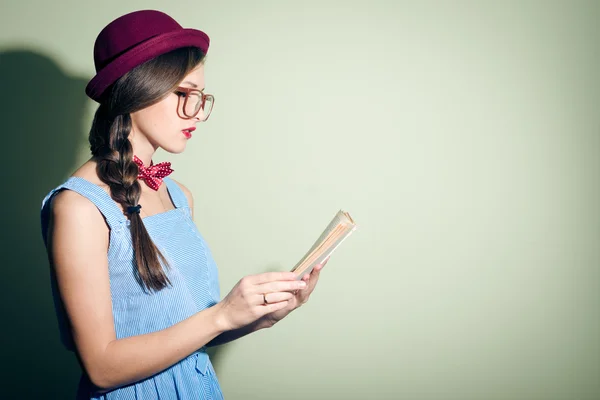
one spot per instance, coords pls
(234, 334)
(78, 243)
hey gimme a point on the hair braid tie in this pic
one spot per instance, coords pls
(134, 209)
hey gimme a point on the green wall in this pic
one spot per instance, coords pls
(462, 136)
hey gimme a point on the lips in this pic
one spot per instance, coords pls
(188, 132)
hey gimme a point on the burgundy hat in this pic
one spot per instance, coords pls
(133, 39)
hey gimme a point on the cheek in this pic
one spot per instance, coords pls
(159, 118)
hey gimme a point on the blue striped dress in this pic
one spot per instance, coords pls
(194, 287)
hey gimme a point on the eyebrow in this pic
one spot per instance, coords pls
(193, 84)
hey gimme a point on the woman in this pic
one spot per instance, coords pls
(135, 286)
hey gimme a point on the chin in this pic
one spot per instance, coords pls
(170, 148)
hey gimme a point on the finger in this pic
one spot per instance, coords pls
(306, 279)
(313, 280)
(279, 286)
(269, 308)
(275, 297)
(270, 277)
(319, 267)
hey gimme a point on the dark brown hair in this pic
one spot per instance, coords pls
(141, 87)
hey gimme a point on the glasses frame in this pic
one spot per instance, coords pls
(188, 91)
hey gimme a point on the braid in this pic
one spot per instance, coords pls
(116, 168)
(143, 86)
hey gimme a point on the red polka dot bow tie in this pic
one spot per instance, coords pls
(153, 174)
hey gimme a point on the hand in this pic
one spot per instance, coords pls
(299, 297)
(245, 302)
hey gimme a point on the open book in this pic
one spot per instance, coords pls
(340, 227)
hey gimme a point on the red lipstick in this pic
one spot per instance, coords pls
(188, 132)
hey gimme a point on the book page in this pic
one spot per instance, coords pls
(340, 227)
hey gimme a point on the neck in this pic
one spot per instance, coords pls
(143, 149)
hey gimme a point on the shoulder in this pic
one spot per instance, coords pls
(74, 211)
(185, 191)
(70, 202)
(88, 171)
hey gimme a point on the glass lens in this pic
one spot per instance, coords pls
(193, 103)
(208, 105)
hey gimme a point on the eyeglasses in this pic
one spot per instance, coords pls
(194, 100)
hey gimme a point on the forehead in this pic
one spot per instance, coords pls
(196, 76)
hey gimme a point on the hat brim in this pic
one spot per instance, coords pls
(141, 53)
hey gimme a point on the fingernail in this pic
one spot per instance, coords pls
(302, 284)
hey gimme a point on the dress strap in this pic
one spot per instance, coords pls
(94, 193)
(176, 193)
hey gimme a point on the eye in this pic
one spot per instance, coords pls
(180, 93)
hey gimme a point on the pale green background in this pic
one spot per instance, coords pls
(462, 136)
